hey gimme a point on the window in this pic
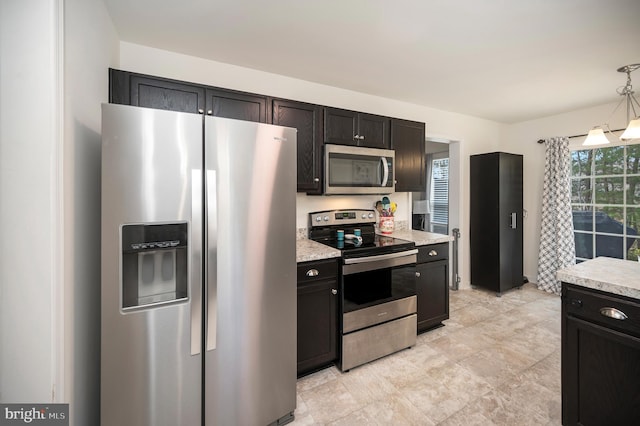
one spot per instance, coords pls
(439, 195)
(605, 199)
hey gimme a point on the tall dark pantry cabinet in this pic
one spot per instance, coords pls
(496, 221)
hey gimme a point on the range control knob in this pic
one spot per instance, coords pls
(370, 215)
(364, 215)
(326, 218)
(318, 218)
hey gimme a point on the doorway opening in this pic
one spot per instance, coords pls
(431, 208)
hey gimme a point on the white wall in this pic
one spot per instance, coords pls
(29, 208)
(50, 192)
(91, 47)
(475, 135)
(521, 138)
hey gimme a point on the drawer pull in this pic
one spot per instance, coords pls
(334, 291)
(433, 253)
(312, 273)
(613, 313)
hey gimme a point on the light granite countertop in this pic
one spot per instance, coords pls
(616, 276)
(421, 238)
(307, 250)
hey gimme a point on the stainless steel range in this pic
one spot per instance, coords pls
(378, 285)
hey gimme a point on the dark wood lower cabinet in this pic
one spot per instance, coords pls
(600, 359)
(432, 285)
(317, 315)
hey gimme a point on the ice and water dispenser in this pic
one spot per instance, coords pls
(154, 264)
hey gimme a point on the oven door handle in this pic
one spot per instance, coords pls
(376, 258)
(381, 261)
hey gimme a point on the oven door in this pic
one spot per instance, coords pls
(375, 280)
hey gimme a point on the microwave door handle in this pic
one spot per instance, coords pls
(385, 170)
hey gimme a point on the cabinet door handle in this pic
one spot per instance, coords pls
(334, 291)
(356, 137)
(210, 112)
(361, 138)
(312, 273)
(433, 253)
(200, 111)
(613, 313)
(418, 274)
(316, 179)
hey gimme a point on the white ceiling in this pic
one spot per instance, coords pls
(503, 60)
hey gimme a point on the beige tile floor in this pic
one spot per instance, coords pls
(495, 362)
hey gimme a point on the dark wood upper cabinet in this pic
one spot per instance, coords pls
(344, 127)
(154, 92)
(316, 124)
(237, 105)
(119, 82)
(163, 93)
(307, 118)
(159, 94)
(408, 141)
(373, 131)
(340, 126)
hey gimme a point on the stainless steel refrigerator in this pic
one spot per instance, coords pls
(198, 270)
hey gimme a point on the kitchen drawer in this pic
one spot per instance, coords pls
(433, 252)
(317, 270)
(372, 343)
(592, 305)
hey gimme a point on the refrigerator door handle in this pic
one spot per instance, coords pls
(211, 269)
(514, 223)
(196, 261)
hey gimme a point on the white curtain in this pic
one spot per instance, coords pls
(557, 245)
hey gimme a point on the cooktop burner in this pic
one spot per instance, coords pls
(380, 245)
(325, 225)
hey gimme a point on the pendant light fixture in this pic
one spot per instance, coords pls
(596, 135)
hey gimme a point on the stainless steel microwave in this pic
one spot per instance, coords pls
(358, 170)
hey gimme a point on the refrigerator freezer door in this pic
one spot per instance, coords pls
(250, 375)
(151, 165)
